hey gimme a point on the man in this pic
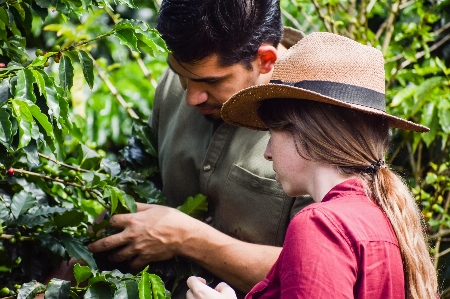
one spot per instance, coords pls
(218, 48)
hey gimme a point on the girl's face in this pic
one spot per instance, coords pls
(292, 171)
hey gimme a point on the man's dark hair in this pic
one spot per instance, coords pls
(232, 29)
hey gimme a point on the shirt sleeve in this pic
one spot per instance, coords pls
(317, 259)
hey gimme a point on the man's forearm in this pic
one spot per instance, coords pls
(238, 263)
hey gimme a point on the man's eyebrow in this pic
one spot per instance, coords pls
(208, 79)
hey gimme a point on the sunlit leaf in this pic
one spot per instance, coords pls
(5, 127)
(127, 38)
(195, 206)
(25, 89)
(81, 273)
(21, 202)
(145, 286)
(88, 67)
(65, 73)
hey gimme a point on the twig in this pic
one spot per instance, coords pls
(63, 164)
(389, 26)
(437, 246)
(292, 19)
(422, 53)
(440, 234)
(22, 171)
(306, 16)
(322, 16)
(113, 90)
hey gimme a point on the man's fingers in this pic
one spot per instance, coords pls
(107, 243)
(226, 290)
(143, 206)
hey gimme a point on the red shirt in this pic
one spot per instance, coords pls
(342, 247)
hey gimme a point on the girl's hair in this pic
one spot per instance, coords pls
(352, 140)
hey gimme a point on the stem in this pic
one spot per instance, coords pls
(396, 152)
(292, 19)
(113, 90)
(63, 164)
(87, 41)
(441, 232)
(22, 171)
(390, 26)
(322, 16)
(306, 16)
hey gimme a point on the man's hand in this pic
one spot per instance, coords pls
(154, 233)
(199, 290)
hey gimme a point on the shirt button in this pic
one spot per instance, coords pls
(207, 167)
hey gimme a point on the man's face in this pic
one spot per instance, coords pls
(208, 84)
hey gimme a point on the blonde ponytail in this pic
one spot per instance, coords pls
(396, 200)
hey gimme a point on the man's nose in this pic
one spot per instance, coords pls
(268, 152)
(195, 94)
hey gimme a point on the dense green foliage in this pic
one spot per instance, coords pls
(77, 80)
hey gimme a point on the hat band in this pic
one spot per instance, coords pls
(343, 92)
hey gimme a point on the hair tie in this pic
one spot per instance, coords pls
(374, 166)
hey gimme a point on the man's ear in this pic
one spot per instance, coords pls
(267, 55)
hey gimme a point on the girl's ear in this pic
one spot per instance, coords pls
(267, 55)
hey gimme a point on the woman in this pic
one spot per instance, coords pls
(363, 238)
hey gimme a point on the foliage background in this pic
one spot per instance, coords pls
(74, 129)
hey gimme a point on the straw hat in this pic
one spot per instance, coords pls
(322, 67)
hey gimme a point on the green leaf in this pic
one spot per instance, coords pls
(145, 287)
(39, 81)
(424, 90)
(98, 291)
(65, 73)
(24, 88)
(195, 206)
(69, 218)
(29, 290)
(5, 128)
(127, 201)
(81, 273)
(158, 289)
(146, 135)
(41, 60)
(21, 202)
(403, 94)
(87, 158)
(127, 38)
(131, 24)
(77, 250)
(128, 290)
(27, 125)
(128, 3)
(41, 118)
(4, 91)
(52, 244)
(88, 67)
(57, 289)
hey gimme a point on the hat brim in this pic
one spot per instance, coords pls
(241, 108)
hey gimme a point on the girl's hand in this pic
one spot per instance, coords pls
(199, 290)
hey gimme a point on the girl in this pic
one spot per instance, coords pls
(363, 238)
